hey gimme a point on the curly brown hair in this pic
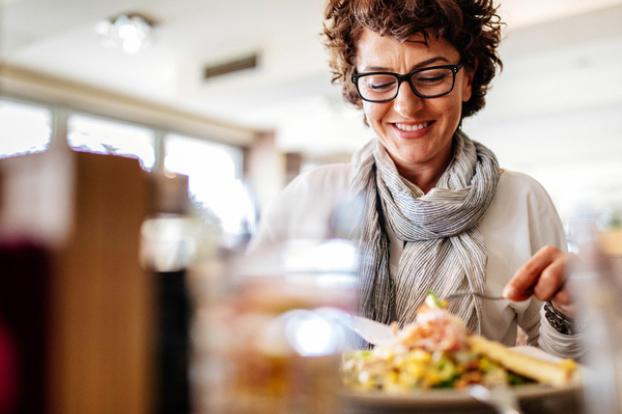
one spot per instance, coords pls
(471, 26)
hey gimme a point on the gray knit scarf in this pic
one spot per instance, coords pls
(443, 249)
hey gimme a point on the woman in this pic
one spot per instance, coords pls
(438, 212)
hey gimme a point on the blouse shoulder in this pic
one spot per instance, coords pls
(521, 182)
(519, 194)
(303, 209)
(526, 190)
(327, 177)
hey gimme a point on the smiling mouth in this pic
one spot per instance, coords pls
(412, 127)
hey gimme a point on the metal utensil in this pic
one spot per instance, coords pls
(463, 293)
(501, 398)
(376, 333)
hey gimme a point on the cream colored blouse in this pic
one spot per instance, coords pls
(520, 220)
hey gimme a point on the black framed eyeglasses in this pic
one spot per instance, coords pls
(429, 82)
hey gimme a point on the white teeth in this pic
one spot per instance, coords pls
(410, 127)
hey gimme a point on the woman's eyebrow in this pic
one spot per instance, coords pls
(426, 62)
(430, 61)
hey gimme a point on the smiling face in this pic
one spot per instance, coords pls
(417, 133)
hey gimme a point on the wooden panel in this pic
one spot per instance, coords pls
(86, 210)
(100, 350)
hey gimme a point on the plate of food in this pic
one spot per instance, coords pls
(433, 365)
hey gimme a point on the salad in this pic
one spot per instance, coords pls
(436, 351)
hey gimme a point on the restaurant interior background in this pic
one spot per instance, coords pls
(236, 95)
(553, 112)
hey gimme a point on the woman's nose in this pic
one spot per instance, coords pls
(406, 103)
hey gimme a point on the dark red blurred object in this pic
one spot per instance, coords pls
(24, 282)
(8, 371)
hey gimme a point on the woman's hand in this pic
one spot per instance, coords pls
(544, 276)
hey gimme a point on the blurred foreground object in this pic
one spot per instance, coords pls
(270, 346)
(169, 245)
(24, 270)
(596, 281)
(74, 299)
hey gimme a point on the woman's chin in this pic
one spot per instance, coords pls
(408, 159)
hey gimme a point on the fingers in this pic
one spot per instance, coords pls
(525, 281)
(551, 280)
(543, 276)
(562, 301)
(563, 297)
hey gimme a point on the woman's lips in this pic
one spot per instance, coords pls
(412, 130)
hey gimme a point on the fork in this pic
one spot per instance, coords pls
(501, 398)
(463, 293)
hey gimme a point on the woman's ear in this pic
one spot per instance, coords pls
(365, 119)
(467, 81)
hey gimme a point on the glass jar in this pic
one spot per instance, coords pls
(170, 242)
(273, 346)
(596, 283)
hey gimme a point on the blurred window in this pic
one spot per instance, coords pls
(214, 172)
(103, 136)
(23, 128)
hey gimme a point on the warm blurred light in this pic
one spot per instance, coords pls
(169, 243)
(129, 32)
(311, 334)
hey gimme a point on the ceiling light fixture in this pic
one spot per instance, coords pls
(130, 32)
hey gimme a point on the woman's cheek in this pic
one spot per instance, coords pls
(375, 114)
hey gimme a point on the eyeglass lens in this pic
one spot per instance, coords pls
(428, 83)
